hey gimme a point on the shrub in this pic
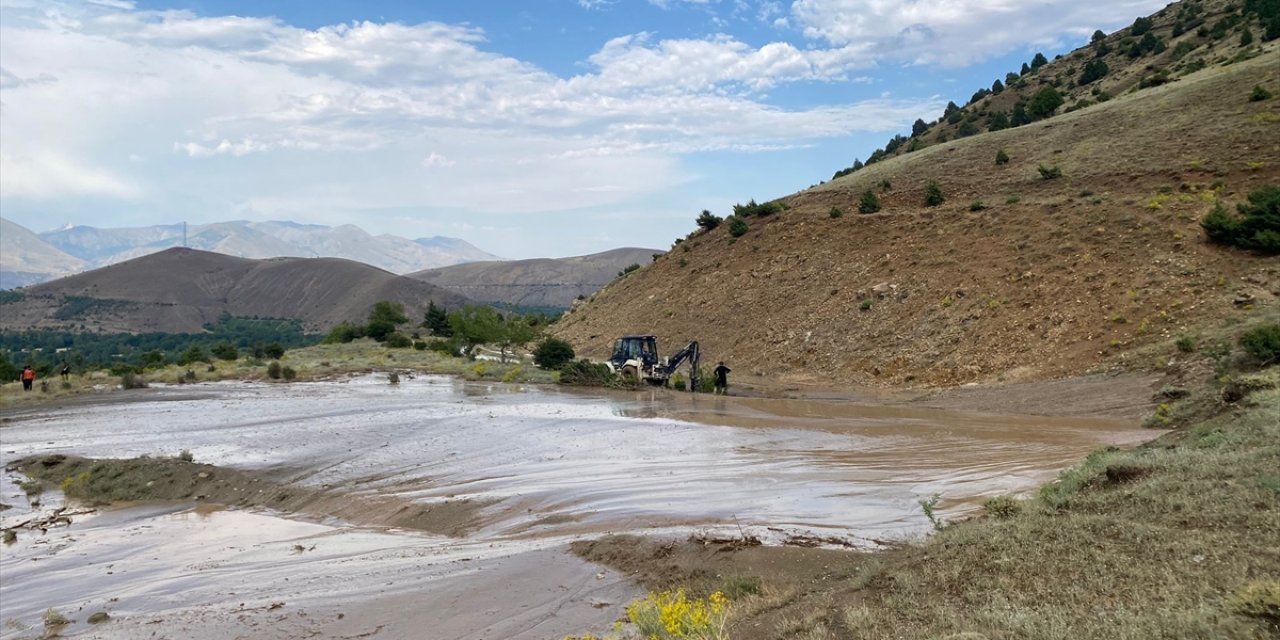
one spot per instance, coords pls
(1002, 507)
(553, 353)
(1259, 94)
(866, 305)
(668, 615)
(751, 208)
(383, 319)
(1049, 173)
(977, 205)
(929, 506)
(54, 619)
(288, 373)
(480, 369)
(187, 456)
(445, 347)
(273, 370)
(708, 220)
(131, 380)
(630, 268)
(869, 202)
(1002, 158)
(836, 212)
(1093, 71)
(1044, 103)
(933, 195)
(342, 333)
(1156, 79)
(999, 121)
(397, 340)
(193, 354)
(225, 351)
(677, 382)
(967, 129)
(1263, 343)
(1257, 226)
(393, 378)
(1186, 344)
(586, 373)
(514, 374)
(737, 226)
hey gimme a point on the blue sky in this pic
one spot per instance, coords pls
(542, 128)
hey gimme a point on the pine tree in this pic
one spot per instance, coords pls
(437, 321)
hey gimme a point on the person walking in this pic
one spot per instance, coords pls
(722, 379)
(28, 377)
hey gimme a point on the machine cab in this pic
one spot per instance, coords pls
(642, 348)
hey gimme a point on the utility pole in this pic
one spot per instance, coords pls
(184, 234)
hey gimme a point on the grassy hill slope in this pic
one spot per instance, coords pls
(1013, 277)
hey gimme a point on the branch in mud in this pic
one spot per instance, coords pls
(59, 517)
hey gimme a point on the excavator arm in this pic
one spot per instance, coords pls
(689, 353)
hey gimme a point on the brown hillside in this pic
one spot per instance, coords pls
(1051, 278)
(541, 282)
(179, 290)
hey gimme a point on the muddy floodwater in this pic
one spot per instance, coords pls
(539, 467)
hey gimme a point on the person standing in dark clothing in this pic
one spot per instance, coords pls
(722, 378)
(66, 372)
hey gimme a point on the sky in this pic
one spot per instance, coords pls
(542, 128)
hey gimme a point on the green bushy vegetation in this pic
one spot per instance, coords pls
(869, 202)
(1263, 344)
(751, 208)
(1256, 225)
(1049, 173)
(708, 221)
(933, 195)
(737, 226)
(586, 373)
(553, 353)
(1094, 70)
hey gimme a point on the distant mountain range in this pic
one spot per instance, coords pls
(180, 290)
(540, 282)
(28, 258)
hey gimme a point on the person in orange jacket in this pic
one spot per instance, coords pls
(28, 377)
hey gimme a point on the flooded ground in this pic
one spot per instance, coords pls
(544, 467)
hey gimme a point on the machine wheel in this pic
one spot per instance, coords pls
(630, 371)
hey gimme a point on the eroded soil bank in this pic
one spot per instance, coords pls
(452, 495)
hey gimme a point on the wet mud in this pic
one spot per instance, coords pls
(364, 509)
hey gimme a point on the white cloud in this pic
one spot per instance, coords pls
(437, 160)
(697, 65)
(255, 117)
(957, 32)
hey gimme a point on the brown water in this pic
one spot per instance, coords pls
(554, 465)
